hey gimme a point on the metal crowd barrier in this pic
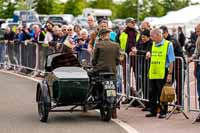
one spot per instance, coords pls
(178, 79)
(2, 53)
(193, 98)
(139, 81)
(123, 77)
(18, 55)
(141, 85)
(23, 56)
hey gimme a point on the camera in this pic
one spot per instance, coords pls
(79, 39)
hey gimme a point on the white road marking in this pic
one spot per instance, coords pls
(122, 124)
(125, 126)
(21, 76)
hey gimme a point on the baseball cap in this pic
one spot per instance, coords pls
(128, 20)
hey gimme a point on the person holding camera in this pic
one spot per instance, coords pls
(82, 45)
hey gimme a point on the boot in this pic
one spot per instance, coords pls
(198, 117)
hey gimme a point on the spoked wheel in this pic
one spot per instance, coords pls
(106, 112)
(43, 109)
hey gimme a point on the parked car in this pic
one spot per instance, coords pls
(56, 19)
(12, 26)
(69, 18)
(81, 20)
(42, 19)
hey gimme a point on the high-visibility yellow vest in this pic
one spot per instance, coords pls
(44, 34)
(123, 40)
(158, 61)
(137, 37)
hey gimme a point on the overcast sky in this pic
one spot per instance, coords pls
(196, 1)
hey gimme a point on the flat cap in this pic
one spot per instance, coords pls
(103, 31)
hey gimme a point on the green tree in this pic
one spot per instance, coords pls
(7, 9)
(58, 8)
(101, 4)
(75, 7)
(22, 5)
(44, 6)
(1, 9)
(156, 9)
(173, 5)
(127, 9)
(149, 8)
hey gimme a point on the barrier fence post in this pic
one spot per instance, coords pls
(138, 73)
(188, 87)
(190, 95)
(2, 53)
(178, 105)
(126, 77)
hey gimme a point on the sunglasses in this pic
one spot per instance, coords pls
(132, 22)
(48, 25)
(64, 30)
(69, 30)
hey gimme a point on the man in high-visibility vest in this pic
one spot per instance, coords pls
(129, 36)
(177, 73)
(161, 68)
(127, 40)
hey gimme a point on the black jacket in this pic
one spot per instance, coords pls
(143, 48)
(177, 47)
(9, 36)
(181, 39)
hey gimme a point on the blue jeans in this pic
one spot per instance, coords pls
(198, 81)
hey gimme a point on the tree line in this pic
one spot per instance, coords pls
(128, 8)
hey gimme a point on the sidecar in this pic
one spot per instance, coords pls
(65, 84)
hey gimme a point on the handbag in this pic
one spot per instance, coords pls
(167, 94)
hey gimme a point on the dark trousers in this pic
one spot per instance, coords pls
(198, 82)
(156, 89)
(11, 53)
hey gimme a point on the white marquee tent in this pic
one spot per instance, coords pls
(187, 18)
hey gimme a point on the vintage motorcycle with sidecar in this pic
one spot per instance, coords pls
(67, 84)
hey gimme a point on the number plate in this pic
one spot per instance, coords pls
(111, 93)
(109, 85)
